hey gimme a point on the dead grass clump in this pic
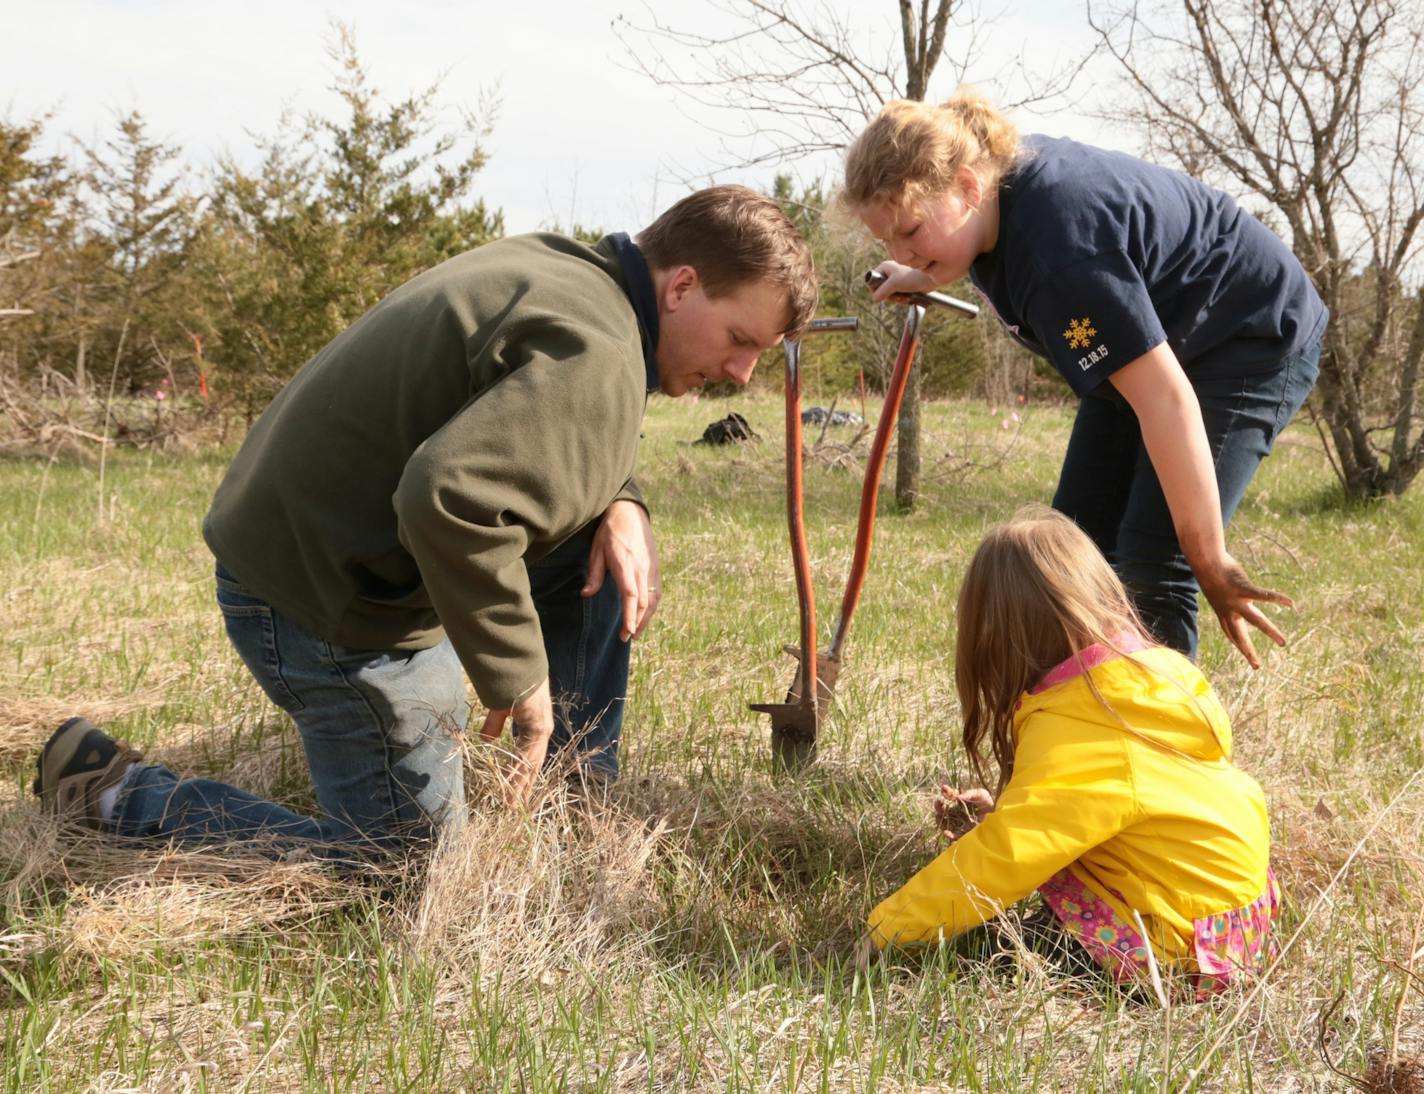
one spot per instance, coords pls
(529, 896)
(766, 867)
(26, 723)
(1397, 1073)
(121, 897)
(141, 914)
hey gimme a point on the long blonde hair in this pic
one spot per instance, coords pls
(1037, 592)
(913, 150)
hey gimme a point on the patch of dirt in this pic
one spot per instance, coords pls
(1400, 1075)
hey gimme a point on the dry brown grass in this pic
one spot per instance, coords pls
(692, 930)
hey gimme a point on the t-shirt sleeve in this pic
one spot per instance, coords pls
(1094, 317)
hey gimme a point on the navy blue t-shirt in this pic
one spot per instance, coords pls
(1101, 256)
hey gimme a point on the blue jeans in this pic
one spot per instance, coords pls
(1108, 485)
(380, 727)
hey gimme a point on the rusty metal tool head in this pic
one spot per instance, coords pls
(794, 721)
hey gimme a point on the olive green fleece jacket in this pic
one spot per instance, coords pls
(477, 417)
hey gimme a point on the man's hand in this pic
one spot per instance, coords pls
(535, 718)
(901, 279)
(952, 807)
(623, 548)
(1231, 595)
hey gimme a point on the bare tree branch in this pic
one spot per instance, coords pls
(802, 79)
(1315, 108)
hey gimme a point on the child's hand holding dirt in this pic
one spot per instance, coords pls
(957, 811)
(865, 952)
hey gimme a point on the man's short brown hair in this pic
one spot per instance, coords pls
(733, 236)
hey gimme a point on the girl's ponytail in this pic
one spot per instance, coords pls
(996, 136)
(913, 149)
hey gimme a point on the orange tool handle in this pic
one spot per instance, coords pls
(796, 523)
(870, 491)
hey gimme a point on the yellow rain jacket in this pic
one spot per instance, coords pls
(1146, 809)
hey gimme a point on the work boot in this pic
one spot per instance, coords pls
(77, 764)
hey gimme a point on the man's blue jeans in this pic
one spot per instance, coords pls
(380, 727)
(1108, 485)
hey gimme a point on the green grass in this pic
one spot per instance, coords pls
(696, 934)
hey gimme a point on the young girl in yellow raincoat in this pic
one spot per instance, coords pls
(1117, 798)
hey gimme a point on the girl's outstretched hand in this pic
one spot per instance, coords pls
(1232, 596)
(957, 811)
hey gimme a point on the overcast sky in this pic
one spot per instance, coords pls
(579, 137)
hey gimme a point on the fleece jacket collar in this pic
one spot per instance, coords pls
(638, 284)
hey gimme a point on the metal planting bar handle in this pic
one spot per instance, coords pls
(834, 323)
(874, 278)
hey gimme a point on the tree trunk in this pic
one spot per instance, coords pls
(81, 377)
(922, 36)
(1363, 471)
(907, 446)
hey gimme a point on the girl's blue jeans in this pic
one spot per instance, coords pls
(1108, 485)
(380, 727)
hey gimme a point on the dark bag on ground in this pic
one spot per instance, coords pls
(733, 429)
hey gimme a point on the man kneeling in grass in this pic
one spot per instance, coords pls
(447, 484)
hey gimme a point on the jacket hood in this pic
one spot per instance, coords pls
(1142, 693)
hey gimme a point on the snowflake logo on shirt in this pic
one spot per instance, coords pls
(1080, 333)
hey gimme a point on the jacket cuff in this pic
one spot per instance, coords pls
(500, 687)
(630, 492)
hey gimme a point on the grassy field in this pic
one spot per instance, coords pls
(695, 934)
